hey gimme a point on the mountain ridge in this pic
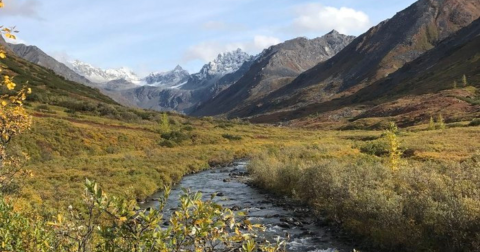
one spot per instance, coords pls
(37, 56)
(377, 53)
(274, 68)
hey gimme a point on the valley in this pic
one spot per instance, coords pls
(327, 143)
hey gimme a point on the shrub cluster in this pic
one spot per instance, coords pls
(417, 207)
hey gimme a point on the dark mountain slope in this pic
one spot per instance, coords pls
(35, 55)
(374, 55)
(276, 67)
(419, 89)
(47, 86)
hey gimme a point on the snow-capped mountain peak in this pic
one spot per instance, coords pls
(171, 78)
(99, 75)
(225, 63)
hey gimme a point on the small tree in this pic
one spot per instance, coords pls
(164, 123)
(455, 85)
(464, 80)
(394, 152)
(431, 124)
(440, 122)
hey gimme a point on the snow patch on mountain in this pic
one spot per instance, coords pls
(224, 64)
(99, 75)
(173, 78)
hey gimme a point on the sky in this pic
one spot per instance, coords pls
(156, 35)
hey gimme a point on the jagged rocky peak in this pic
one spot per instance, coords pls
(99, 75)
(334, 32)
(172, 78)
(225, 63)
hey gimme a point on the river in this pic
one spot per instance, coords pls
(306, 232)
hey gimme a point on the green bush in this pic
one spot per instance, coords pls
(475, 122)
(188, 128)
(174, 138)
(418, 207)
(377, 148)
(232, 137)
(106, 223)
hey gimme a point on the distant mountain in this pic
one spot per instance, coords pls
(184, 93)
(47, 86)
(37, 56)
(98, 75)
(274, 68)
(212, 72)
(172, 79)
(374, 55)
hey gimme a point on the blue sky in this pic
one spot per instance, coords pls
(156, 35)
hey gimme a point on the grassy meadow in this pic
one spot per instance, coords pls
(128, 155)
(430, 201)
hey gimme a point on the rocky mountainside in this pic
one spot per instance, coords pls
(434, 80)
(47, 86)
(185, 94)
(98, 75)
(212, 72)
(274, 68)
(173, 79)
(374, 55)
(37, 56)
(431, 85)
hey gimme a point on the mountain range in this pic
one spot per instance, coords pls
(275, 68)
(373, 56)
(392, 70)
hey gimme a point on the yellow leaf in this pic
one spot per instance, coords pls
(10, 36)
(10, 85)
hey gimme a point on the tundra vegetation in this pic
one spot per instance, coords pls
(389, 189)
(396, 189)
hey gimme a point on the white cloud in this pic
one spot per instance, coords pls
(318, 18)
(207, 51)
(262, 42)
(61, 56)
(25, 8)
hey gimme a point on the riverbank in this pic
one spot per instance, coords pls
(281, 217)
(421, 205)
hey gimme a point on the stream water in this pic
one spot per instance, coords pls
(307, 234)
